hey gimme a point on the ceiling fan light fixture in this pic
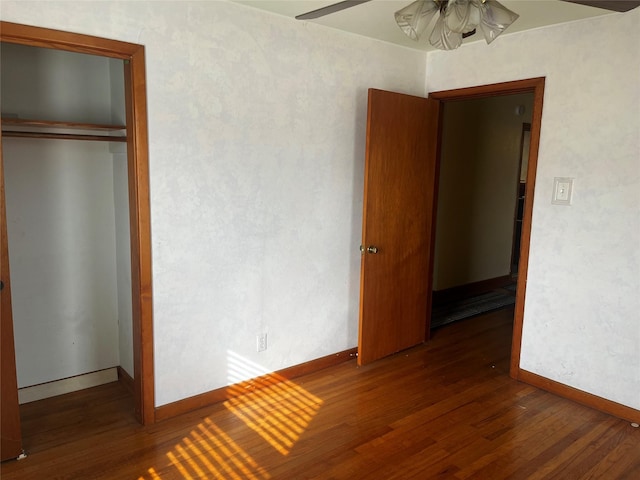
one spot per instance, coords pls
(458, 19)
(444, 38)
(415, 17)
(495, 18)
(462, 16)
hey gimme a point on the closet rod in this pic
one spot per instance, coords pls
(24, 122)
(63, 136)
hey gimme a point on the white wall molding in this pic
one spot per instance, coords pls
(67, 385)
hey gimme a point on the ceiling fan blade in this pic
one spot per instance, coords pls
(614, 5)
(336, 7)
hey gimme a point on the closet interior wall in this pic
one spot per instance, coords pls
(67, 217)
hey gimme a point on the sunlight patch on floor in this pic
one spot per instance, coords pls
(153, 475)
(209, 452)
(274, 407)
(206, 453)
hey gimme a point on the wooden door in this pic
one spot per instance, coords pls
(398, 223)
(11, 445)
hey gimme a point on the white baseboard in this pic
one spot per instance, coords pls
(67, 385)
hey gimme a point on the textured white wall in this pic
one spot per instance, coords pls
(582, 309)
(256, 134)
(256, 141)
(478, 188)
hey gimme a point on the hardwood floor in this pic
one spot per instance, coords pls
(447, 409)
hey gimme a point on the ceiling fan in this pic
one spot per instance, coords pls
(458, 19)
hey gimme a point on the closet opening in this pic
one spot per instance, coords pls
(76, 196)
(67, 214)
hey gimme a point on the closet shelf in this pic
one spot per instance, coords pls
(42, 129)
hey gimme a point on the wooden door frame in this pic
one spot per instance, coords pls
(535, 86)
(11, 441)
(138, 174)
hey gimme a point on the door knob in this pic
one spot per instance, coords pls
(370, 249)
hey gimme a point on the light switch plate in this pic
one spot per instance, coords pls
(562, 190)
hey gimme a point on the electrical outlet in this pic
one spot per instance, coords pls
(261, 342)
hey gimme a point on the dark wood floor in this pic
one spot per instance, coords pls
(447, 409)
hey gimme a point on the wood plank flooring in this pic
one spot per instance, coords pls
(447, 409)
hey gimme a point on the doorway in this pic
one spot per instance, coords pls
(139, 213)
(536, 87)
(376, 332)
(479, 215)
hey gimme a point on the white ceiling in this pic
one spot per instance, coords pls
(375, 18)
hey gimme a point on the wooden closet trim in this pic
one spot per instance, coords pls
(11, 437)
(71, 42)
(138, 171)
